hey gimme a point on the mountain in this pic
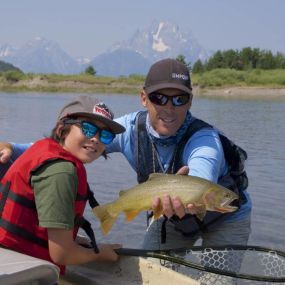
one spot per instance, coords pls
(7, 51)
(42, 56)
(131, 56)
(159, 40)
(4, 66)
(120, 62)
(164, 39)
(83, 60)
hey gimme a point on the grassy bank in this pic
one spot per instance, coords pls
(13, 81)
(250, 78)
(205, 83)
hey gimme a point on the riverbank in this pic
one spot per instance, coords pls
(122, 86)
(83, 84)
(244, 93)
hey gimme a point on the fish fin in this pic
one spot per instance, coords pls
(130, 215)
(106, 219)
(201, 213)
(122, 192)
(157, 212)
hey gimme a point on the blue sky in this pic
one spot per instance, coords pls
(89, 27)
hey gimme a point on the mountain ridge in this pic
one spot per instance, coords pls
(161, 39)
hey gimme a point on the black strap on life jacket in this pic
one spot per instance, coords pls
(19, 231)
(7, 192)
(4, 191)
(91, 198)
(163, 230)
(15, 229)
(86, 226)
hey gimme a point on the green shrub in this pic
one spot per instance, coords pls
(13, 76)
(221, 77)
(232, 77)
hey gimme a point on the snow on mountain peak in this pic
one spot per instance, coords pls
(158, 44)
(7, 50)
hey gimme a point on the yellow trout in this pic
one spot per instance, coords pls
(204, 194)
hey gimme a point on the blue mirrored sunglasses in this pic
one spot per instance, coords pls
(162, 99)
(90, 130)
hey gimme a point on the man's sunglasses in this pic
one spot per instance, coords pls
(162, 99)
(90, 130)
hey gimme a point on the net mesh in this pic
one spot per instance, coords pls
(248, 263)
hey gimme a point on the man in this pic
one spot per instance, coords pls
(154, 141)
(168, 139)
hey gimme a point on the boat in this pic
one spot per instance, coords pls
(17, 268)
(128, 270)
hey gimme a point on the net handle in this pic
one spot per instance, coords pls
(165, 255)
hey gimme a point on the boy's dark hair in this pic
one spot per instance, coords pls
(60, 137)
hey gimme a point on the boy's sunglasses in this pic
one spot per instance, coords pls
(162, 99)
(90, 130)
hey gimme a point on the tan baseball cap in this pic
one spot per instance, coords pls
(92, 108)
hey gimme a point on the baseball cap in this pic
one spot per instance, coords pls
(168, 73)
(92, 108)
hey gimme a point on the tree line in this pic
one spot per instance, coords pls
(244, 59)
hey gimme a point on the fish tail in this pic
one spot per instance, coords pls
(106, 219)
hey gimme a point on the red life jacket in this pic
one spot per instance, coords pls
(19, 225)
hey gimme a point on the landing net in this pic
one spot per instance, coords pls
(230, 265)
(227, 265)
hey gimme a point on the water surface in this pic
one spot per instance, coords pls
(256, 126)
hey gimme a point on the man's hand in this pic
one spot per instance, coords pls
(6, 151)
(184, 170)
(173, 206)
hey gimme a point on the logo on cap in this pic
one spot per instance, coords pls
(102, 110)
(179, 76)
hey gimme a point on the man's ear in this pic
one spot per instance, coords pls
(143, 97)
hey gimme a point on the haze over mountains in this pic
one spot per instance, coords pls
(131, 56)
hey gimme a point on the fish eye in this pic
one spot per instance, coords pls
(228, 195)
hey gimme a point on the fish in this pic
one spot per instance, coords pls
(204, 194)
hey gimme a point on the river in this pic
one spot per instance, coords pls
(257, 126)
